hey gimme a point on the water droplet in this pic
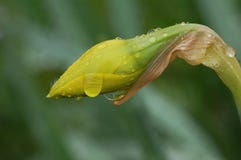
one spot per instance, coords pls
(230, 52)
(208, 42)
(210, 35)
(182, 48)
(92, 84)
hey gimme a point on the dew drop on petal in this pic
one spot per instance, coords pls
(209, 35)
(92, 84)
(230, 52)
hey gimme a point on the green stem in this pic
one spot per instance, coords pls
(224, 63)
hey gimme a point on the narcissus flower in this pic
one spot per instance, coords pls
(128, 65)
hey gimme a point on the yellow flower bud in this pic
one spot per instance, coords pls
(115, 65)
(128, 65)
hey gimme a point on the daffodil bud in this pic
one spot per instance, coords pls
(128, 65)
(112, 65)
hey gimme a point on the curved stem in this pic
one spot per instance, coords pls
(227, 68)
(204, 46)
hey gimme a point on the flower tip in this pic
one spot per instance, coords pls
(48, 96)
(51, 94)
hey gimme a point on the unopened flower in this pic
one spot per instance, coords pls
(128, 65)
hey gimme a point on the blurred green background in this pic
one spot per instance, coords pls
(186, 114)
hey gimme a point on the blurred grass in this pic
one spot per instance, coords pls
(186, 114)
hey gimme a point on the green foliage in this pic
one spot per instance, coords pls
(188, 113)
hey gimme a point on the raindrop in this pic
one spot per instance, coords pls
(230, 52)
(210, 35)
(208, 42)
(92, 85)
(182, 48)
